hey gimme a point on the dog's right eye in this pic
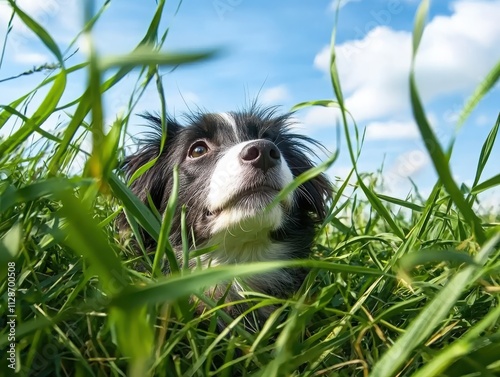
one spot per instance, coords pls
(198, 149)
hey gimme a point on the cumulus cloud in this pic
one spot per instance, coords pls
(320, 117)
(276, 94)
(392, 130)
(457, 51)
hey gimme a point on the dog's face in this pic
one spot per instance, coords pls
(231, 167)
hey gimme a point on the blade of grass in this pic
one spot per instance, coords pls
(39, 31)
(301, 179)
(178, 286)
(6, 114)
(483, 88)
(431, 315)
(145, 55)
(489, 183)
(164, 246)
(38, 190)
(372, 197)
(461, 347)
(438, 157)
(486, 150)
(41, 114)
(85, 238)
(135, 207)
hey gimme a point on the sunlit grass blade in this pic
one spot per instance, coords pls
(85, 238)
(419, 26)
(178, 286)
(133, 332)
(39, 31)
(6, 114)
(411, 260)
(138, 209)
(145, 55)
(461, 347)
(38, 190)
(151, 34)
(486, 150)
(164, 248)
(9, 248)
(175, 287)
(95, 163)
(400, 202)
(486, 185)
(41, 114)
(302, 178)
(381, 209)
(431, 315)
(322, 103)
(483, 88)
(374, 200)
(438, 157)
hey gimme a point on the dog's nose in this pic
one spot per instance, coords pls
(262, 154)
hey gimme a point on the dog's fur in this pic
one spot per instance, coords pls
(231, 166)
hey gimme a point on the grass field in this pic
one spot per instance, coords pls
(407, 287)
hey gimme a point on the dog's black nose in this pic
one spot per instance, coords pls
(262, 154)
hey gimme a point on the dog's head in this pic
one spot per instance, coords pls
(231, 167)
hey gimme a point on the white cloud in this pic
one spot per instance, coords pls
(318, 117)
(44, 12)
(392, 130)
(456, 52)
(60, 18)
(322, 59)
(275, 95)
(407, 165)
(32, 58)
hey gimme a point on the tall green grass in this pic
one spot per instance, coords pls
(388, 293)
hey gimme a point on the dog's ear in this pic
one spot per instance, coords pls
(314, 194)
(156, 180)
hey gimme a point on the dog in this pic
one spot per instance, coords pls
(231, 167)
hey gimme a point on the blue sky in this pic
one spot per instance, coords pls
(279, 51)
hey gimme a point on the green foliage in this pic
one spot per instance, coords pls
(397, 286)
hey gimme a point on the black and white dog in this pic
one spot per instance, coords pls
(231, 166)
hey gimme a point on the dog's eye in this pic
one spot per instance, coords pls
(198, 149)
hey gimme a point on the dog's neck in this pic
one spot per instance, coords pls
(246, 240)
(242, 245)
(245, 243)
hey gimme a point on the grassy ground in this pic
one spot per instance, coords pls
(397, 287)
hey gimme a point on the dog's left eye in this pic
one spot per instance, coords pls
(198, 149)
